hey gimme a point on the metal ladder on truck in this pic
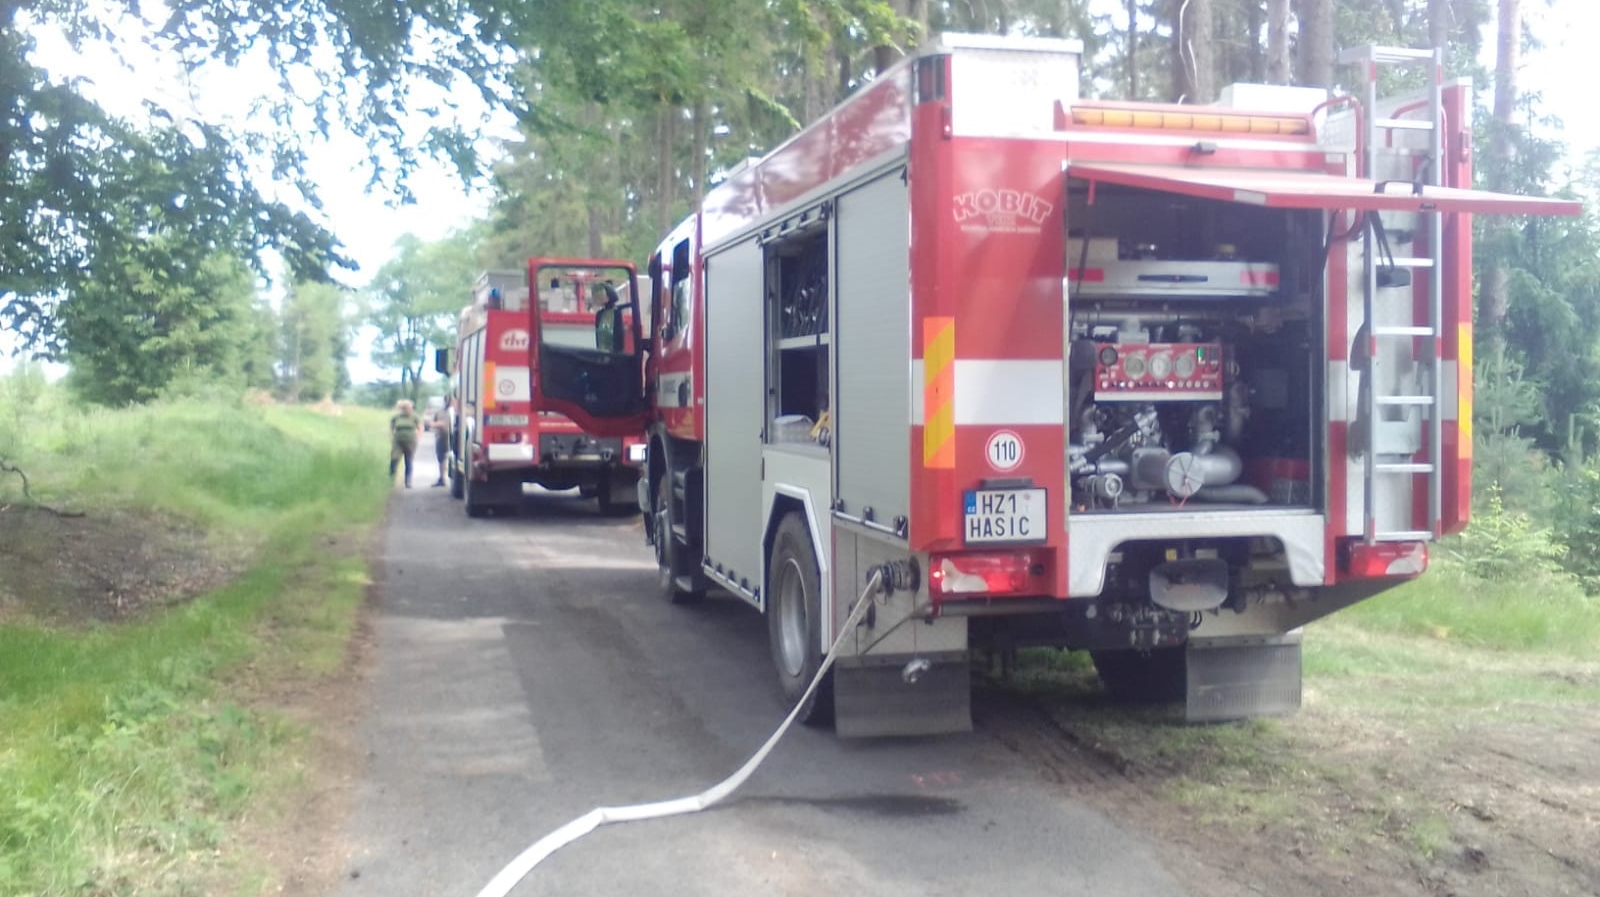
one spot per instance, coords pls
(1425, 334)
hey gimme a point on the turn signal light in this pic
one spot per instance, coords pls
(999, 573)
(1388, 559)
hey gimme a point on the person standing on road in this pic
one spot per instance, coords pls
(403, 427)
(439, 422)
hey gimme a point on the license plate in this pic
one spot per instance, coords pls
(1005, 515)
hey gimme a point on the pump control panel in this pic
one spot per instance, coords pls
(1158, 372)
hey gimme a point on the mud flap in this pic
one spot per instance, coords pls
(1242, 678)
(875, 700)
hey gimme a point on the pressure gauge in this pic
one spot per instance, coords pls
(1184, 475)
(1184, 365)
(1108, 356)
(1161, 366)
(1133, 365)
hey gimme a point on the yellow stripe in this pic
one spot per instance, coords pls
(488, 385)
(1464, 387)
(939, 347)
(938, 392)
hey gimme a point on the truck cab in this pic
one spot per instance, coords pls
(547, 376)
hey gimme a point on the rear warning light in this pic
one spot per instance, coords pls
(1388, 559)
(998, 573)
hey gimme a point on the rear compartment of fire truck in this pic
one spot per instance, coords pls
(1194, 331)
(1192, 339)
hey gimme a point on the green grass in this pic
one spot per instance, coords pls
(1428, 663)
(1545, 614)
(126, 751)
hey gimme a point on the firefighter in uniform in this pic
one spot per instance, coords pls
(403, 427)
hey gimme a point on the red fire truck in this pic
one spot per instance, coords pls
(531, 345)
(1161, 382)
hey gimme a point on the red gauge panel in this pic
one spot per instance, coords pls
(1158, 372)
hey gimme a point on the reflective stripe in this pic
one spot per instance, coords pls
(938, 392)
(991, 392)
(995, 393)
(1463, 362)
(510, 451)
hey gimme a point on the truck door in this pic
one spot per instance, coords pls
(586, 343)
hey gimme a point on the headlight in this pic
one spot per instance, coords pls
(636, 453)
(505, 420)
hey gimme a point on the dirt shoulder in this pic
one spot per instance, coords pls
(296, 840)
(1383, 784)
(106, 566)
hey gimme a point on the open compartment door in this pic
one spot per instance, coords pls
(1279, 189)
(587, 362)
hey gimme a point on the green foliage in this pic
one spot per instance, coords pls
(1577, 522)
(413, 300)
(124, 756)
(1505, 545)
(316, 340)
(164, 314)
(82, 193)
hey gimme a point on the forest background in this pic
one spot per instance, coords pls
(165, 255)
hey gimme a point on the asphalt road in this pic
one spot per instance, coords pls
(526, 673)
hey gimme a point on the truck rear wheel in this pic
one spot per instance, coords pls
(669, 554)
(454, 473)
(472, 492)
(794, 618)
(1142, 677)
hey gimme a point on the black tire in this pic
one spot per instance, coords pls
(669, 554)
(794, 618)
(471, 492)
(1158, 676)
(456, 490)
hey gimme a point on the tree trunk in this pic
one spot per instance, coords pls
(1194, 51)
(1508, 46)
(702, 111)
(664, 135)
(915, 11)
(1258, 58)
(1439, 16)
(1133, 49)
(1316, 42)
(1278, 42)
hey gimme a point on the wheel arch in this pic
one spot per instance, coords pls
(788, 500)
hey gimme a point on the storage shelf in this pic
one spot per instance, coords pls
(803, 342)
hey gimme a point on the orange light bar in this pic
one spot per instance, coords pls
(1182, 118)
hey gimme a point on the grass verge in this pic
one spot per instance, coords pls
(1445, 738)
(129, 750)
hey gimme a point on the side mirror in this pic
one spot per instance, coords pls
(441, 361)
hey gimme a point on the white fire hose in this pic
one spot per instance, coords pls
(517, 869)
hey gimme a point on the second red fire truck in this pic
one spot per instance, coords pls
(561, 333)
(1161, 382)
